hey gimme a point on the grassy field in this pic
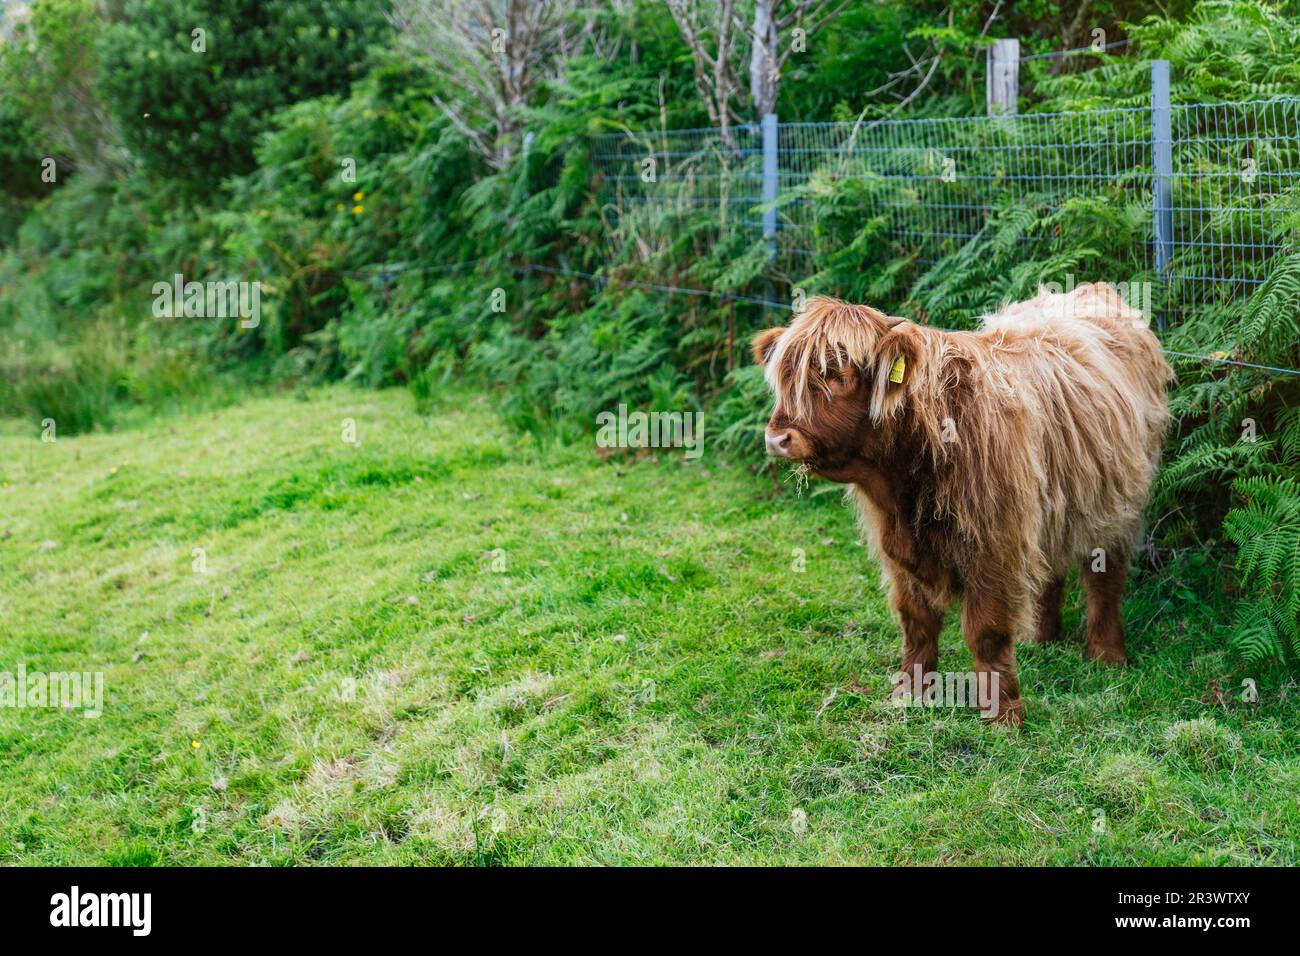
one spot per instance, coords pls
(446, 644)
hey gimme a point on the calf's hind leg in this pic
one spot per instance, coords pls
(1048, 626)
(1104, 576)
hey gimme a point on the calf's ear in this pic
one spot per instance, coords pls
(898, 356)
(764, 342)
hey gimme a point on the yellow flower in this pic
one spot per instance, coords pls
(358, 196)
(194, 744)
(358, 209)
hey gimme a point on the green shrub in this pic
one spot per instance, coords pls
(50, 108)
(195, 116)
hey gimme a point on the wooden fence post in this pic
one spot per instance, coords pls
(1003, 76)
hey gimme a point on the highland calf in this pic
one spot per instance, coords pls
(983, 464)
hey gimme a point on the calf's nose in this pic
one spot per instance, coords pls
(778, 445)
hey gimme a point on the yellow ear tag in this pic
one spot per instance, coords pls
(896, 373)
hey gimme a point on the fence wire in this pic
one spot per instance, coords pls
(1236, 196)
(940, 179)
(1235, 185)
(650, 179)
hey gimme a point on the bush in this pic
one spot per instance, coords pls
(49, 106)
(191, 106)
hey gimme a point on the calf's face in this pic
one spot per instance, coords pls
(832, 421)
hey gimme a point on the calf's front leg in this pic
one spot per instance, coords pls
(986, 625)
(921, 619)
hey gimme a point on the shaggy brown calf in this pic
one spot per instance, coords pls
(983, 464)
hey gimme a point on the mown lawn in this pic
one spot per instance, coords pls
(447, 644)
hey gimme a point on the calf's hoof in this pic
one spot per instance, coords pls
(1047, 632)
(1105, 655)
(1011, 714)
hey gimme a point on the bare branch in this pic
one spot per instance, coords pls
(494, 54)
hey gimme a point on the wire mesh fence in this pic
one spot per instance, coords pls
(650, 179)
(1235, 198)
(940, 179)
(1231, 175)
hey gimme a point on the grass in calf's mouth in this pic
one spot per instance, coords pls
(800, 475)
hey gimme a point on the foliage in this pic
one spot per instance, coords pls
(1219, 51)
(50, 107)
(191, 104)
(1266, 531)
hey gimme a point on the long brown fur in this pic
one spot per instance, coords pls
(1006, 456)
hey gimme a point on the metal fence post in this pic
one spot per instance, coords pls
(1162, 162)
(1002, 78)
(770, 181)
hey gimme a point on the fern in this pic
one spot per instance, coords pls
(1271, 324)
(1266, 530)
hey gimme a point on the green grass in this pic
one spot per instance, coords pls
(451, 645)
